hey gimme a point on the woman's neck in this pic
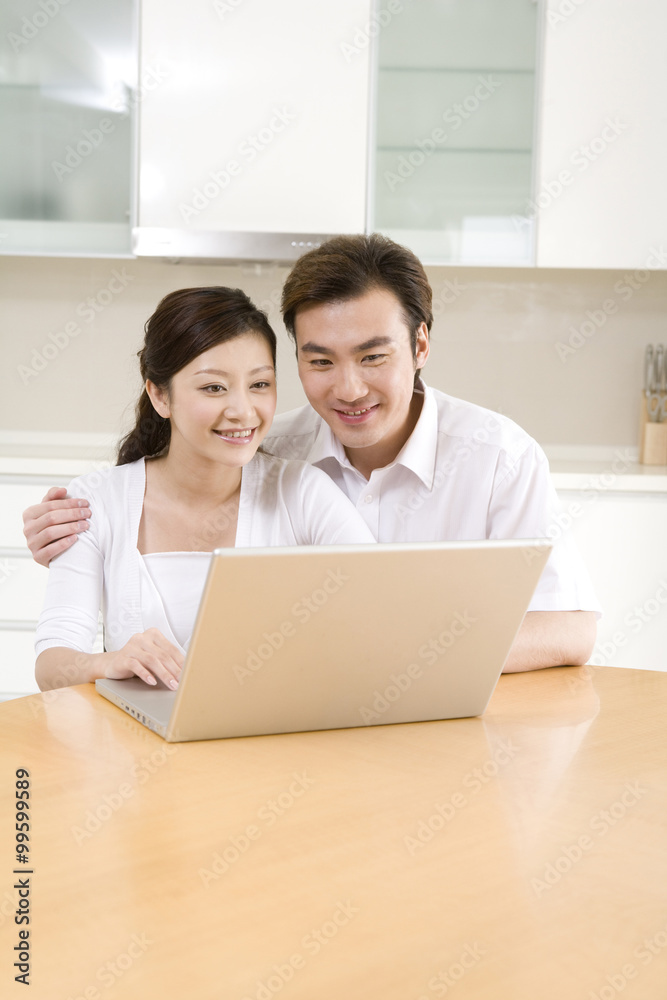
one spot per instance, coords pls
(193, 482)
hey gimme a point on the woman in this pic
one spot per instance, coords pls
(189, 479)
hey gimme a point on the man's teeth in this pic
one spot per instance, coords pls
(356, 413)
(235, 434)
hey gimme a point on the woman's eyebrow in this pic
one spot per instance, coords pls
(217, 371)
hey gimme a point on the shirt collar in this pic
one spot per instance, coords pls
(418, 454)
(325, 446)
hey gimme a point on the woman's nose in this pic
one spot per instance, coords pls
(239, 406)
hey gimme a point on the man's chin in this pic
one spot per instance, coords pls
(361, 435)
(352, 439)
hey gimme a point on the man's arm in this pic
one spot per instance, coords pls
(552, 639)
(53, 525)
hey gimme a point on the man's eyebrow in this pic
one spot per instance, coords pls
(368, 345)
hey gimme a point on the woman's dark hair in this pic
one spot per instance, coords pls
(347, 267)
(185, 324)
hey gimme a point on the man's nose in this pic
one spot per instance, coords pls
(350, 384)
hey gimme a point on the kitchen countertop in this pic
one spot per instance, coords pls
(614, 476)
(620, 473)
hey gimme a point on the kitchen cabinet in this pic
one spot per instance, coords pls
(453, 145)
(474, 131)
(22, 587)
(620, 527)
(67, 96)
(523, 133)
(255, 142)
(600, 192)
(241, 129)
(22, 581)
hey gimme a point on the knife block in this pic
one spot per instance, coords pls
(652, 439)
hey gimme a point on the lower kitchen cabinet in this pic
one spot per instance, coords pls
(22, 581)
(623, 539)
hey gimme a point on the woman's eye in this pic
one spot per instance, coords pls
(214, 389)
(261, 385)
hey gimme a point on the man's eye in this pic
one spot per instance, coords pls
(320, 362)
(374, 357)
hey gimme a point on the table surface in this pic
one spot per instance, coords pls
(520, 855)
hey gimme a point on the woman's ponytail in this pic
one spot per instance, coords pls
(149, 436)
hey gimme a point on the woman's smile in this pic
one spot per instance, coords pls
(237, 437)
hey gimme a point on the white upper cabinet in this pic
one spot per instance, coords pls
(254, 142)
(453, 170)
(506, 132)
(600, 199)
(67, 97)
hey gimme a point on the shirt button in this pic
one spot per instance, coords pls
(368, 499)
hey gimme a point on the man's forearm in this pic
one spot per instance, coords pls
(552, 639)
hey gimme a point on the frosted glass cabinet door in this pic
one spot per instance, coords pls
(600, 196)
(259, 125)
(67, 93)
(454, 129)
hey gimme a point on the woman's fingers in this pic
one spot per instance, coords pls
(169, 657)
(150, 655)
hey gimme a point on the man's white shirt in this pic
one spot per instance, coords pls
(465, 473)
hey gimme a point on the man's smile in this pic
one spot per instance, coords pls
(356, 416)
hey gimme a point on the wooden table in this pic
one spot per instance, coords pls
(522, 855)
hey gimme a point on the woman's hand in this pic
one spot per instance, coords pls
(147, 655)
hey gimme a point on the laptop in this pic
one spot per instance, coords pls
(304, 638)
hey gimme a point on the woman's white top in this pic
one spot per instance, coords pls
(281, 503)
(167, 571)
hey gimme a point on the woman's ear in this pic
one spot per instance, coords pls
(159, 398)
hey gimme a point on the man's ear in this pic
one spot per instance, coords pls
(422, 346)
(159, 398)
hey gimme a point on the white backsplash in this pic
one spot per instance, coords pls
(560, 351)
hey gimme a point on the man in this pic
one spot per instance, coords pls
(419, 465)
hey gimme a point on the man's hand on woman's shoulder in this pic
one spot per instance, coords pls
(53, 525)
